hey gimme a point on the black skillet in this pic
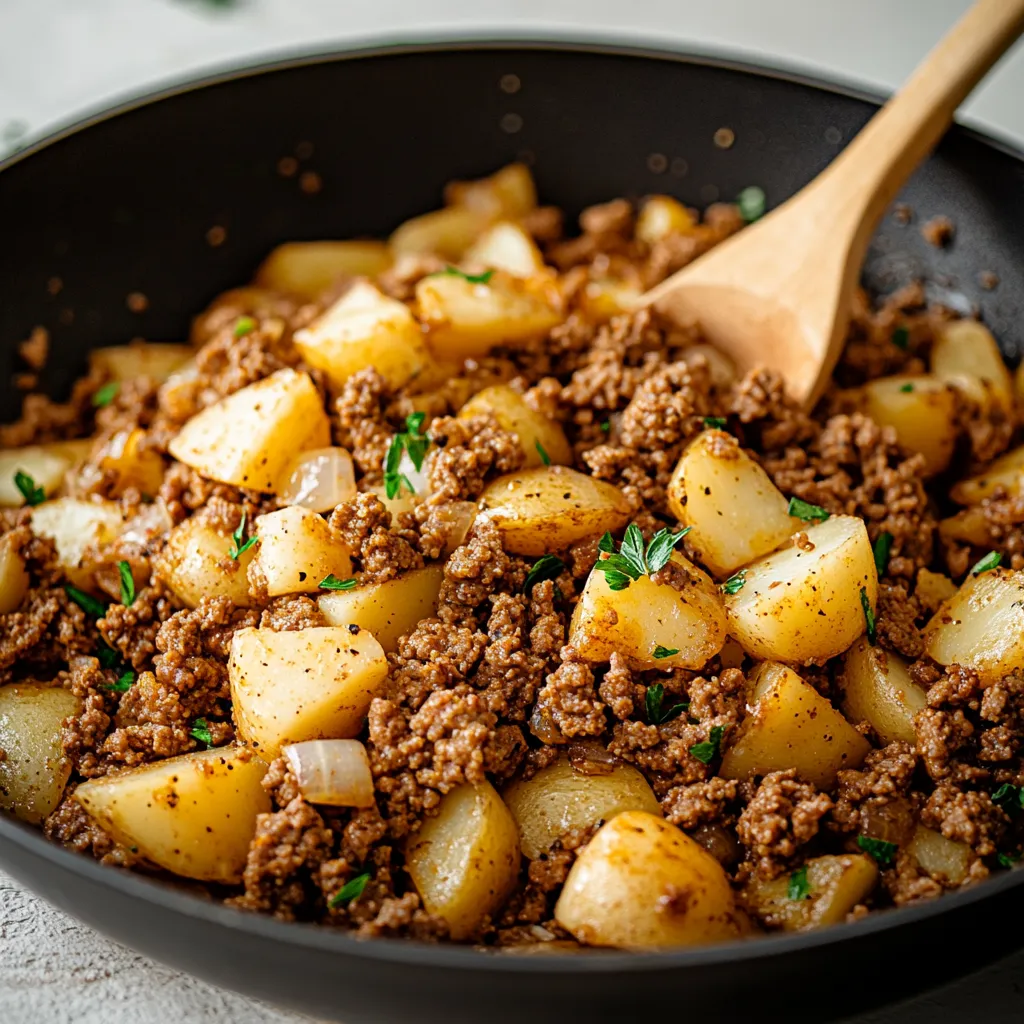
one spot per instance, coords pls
(123, 204)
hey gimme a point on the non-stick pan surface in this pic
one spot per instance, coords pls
(125, 204)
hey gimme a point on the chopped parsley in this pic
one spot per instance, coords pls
(103, 396)
(657, 714)
(412, 441)
(32, 494)
(901, 338)
(884, 853)
(706, 752)
(752, 203)
(990, 561)
(123, 685)
(127, 583)
(1009, 797)
(799, 888)
(107, 656)
(245, 325)
(331, 582)
(664, 652)
(800, 509)
(714, 422)
(881, 548)
(89, 604)
(544, 457)
(631, 562)
(734, 584)
(238, 547)
(1007, 860)
(906, 388)
(483, 278)
(869, 617)
(547, 567)
(350, 891)
(201, 731)
(606, 425)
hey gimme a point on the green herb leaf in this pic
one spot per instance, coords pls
(89, 604)
(990, 561)
(107, 656)
(606, 425)
(123, 685)
(664, 652)
(1009, 797)
(127, 583)
(799, 888)
(547, 567)
(800, 509)
(752, 202)
(881, 548)
(412, 441)
(331, 582)
(656, 713)
(201, 731)
(906, 388)
(350, 891)
(714, 422)
(632, 549)
(734, 584)
(606, 543)
(901, 338)
(615, 578)
(706, 752)
(869, 616)
(105, 395)
(243, 326)
(471, 278)
(663, 543)
(416, 443)
(33, 495)
(631, 562)
(1007, 860)
(883, 852)
(238, 547)
(544, 457)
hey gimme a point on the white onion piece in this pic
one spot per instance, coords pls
(335, 772)
(417, 477)
(319, 479)
(150, 522)
(461, 515)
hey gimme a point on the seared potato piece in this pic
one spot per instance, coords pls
(249, 438)
(388, 610)
(600, 300)
(1007, 472)
(465, 861)
(76, 525)
(448, 233)
(933, 588)
(133, 464)
(507, 247)
(735, 512)
(792, 726)
(687, 617)
(547, 509)
(532, 428)
(509, 192)
(296, 551)
(877, 688)
(966, 355)
(365, 328)
(193, 815)
(805, 605)
(981, 626)
(660, 217)
(922, 411)
(466, 319)
(34, 769)
(641, 883)
(309, 268)
(196, 563)
(14, 579)
(157, 360)
(559, 799)
(45, 466)
(945, 860)
(969, 526)
(837, 885)
(306, 684)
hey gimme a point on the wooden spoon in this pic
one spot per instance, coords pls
(779, 293)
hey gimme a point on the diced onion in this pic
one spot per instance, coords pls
(150, 522)
(461, 515)
(335, 772)
(319, 479)
(417, 477)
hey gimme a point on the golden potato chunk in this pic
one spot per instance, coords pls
(981, 626)
(543, 510)
(510, 192)
(196, 563)
(877, 689)
(249, 438)
(506, 246)
(464, 861)
(804, 603)
(305, 684)
(792, 726)
(388, 610)
(735, 512)
(308, 269)
(77, 526)
(365, 328)
(966, 354)
(448, 233)
(193, 815)
(14, 579)
(1007, 472)
(157, 360)
(647, 619)
(558, 799)
(933, 588)
(603, 299)
(132, 463)
(641, 884)
(660, 217)
(945, 860)
(538, 435)
(34, 768)
(43, 466)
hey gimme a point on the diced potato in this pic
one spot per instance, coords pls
(365, 328)
(543, 510)
(601, 300)
(14, 579)
(77, 525)
(319, 479)
(791, 726)
(34, 768)
(922, 411)
(249, 438)
(305, 684)
(193, 815)
(388, 610)
(1007, 472)
(448, 233)
(196, 563)
(968, 526)
(509, 192)
(966, 354)
(464, 861)
(735, 512)
(534, 430)
(506, 246)
(933, 588)
(720, 366)
(836, 886)
(133, 464)
(641, 883)
(981, 626)
(466, 320)
(157, 360)
(44, 466)
(805, 605)
(660, 217)
(558, 799)
(877, 689)
(296, 550)
(686, 616)
(945, 860)
(308, 269)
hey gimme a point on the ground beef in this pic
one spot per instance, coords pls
(469, 451)
(363, 524)
(290, 612)
(361, 426)
(70, 826)
(699, 803)
(132, 630)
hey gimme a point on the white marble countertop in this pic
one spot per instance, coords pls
(62, 58)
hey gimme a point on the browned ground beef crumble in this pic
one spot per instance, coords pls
(490, 688)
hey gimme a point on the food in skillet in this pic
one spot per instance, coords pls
(430, 592)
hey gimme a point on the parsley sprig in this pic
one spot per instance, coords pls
(127, 583)
(542, 452)
(664, 652)
(103, 396)
(547, 567)
(350, 891)
(243, 326)
(907, 388)
(901, 337)
(707, 751)
(734, 584)
(32, 494)
(799, 887)
(201, 731)
(883, 852)
(631, 561)
(412, 441)
(752, 203)
(123, 684)
(657, 713)
(800, 509)
(990, 561)
(483, 278)
(881, 549)
(331, 582)
(238, 545)
(869, 617)
(1009, 797)
(714, 422)
(89, 604)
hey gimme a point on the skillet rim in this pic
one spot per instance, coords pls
(403, 951)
